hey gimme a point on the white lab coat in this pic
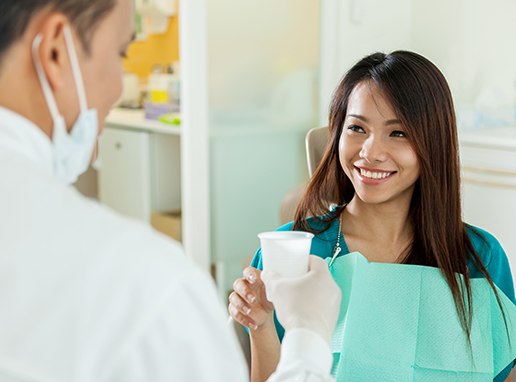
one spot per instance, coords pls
(87, 295)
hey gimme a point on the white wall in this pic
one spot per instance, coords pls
(472, 41)
(352, 29)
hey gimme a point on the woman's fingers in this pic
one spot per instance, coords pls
(247, 303)
(239, 303)
(252, 275)
(242, 288)
(241, 318)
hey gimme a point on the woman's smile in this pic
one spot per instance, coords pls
(373, 176)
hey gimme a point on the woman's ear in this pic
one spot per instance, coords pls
(53, 53)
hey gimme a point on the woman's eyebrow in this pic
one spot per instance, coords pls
(388, 122)
(361, 117)
(393, 122)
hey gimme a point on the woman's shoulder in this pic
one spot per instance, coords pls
(493, 257)
(485, 244)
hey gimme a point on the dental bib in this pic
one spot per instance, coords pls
(399, 323)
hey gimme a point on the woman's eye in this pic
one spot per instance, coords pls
(356, 129)
(398, 134)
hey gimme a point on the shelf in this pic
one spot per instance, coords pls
(135, 120)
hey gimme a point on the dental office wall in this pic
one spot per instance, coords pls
(263, 81)
(470, 41)
(352, 29)
(161, 49)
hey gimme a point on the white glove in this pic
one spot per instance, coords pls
(311, 301)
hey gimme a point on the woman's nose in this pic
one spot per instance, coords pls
(373, 150)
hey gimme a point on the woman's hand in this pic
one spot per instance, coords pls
(248, 304)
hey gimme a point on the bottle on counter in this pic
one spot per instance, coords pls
(163, 92)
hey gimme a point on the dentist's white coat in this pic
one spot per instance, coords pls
(87, 295)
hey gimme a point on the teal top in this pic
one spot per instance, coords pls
(486, 246)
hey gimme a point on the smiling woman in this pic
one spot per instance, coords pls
(392, 168)
(392, 163)
(374, 151)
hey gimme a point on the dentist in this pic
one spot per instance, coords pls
(85, 294)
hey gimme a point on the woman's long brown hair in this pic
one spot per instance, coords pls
(421, 98)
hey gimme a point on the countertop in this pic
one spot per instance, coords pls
(135, 120)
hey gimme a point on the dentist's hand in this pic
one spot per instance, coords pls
(248, 304)
(311, 301)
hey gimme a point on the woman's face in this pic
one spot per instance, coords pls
(374, 150)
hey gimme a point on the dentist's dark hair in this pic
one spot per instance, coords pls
(85, 15)
(422, 101)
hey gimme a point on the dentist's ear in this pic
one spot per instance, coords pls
(52, 51)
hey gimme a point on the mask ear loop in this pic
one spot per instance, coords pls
(79, 83)
(45, 86)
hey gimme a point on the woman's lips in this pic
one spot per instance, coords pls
(373, 176)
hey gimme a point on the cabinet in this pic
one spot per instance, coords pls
(124, 172)
(139, 165)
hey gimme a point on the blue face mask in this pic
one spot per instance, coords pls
(72, 150)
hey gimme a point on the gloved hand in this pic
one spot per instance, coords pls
(311, 301)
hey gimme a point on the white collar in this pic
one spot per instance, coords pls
(22, 136)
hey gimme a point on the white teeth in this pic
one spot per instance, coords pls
(374, 175)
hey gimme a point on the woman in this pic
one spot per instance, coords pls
(392, 168)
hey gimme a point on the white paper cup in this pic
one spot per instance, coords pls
(286, 252)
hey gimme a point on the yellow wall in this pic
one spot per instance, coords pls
(155, 49)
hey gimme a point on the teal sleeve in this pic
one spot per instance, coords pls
(494, 259)
(500, 271)
(256, 262)
(496, 262)
(504, 373)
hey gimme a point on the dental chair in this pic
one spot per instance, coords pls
(315, 143)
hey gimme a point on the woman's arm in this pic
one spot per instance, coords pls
(265, 351)
(248, 305)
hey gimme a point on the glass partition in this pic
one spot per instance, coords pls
(263, 84)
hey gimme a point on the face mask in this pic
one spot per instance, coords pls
(73, 150)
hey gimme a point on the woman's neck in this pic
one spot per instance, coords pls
(388, 223)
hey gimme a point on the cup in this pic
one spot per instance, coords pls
(286, 252)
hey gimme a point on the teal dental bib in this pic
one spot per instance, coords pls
(399, 323)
